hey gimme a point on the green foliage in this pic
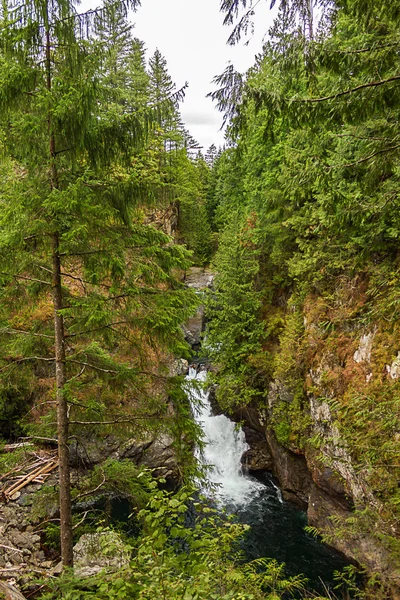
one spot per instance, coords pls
(173, 558)
(235, 333)
(15, 401)
(123, 302)
(194, 223)
(315, 158)
(11, 460)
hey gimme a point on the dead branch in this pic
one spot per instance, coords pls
(91, 492)
(20, 360)
(79, 362)
(11, 548)
(81, 521)
(20, 331)
(16, 487)
(11, 447)
(8, 590)
(25, 278)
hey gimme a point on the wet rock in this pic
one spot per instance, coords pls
(334, 450)
(85, 453)
(134, 450)
(324, 511)
(194, 327)
(157, 454)
(199, 278)
(160, 456)
(329, 481)
(291, 471)
(180, 366)
(258, 457)
(97, 551)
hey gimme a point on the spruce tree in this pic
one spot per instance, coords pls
(138, 76)
(72, 233)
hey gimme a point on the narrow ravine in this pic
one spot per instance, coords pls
(276, 526)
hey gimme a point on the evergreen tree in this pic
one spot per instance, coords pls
(315, 158)
(194, 224)
(72, 236)
(115, 37)
(211, 155)
(163, 95)
(138, 76)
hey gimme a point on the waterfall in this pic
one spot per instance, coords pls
(276, 528)
(224, 446)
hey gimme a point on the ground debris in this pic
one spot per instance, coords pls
(10, 592)
(36, 468)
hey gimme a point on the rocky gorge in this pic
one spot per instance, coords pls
(312, 462)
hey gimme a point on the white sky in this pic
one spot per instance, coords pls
(191, 36)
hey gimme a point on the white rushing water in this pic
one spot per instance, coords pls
(224, 446)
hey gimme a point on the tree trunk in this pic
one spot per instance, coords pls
(59, 343)
(62, 414)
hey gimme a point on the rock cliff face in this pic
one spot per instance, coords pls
(198, 279)
(332, 428)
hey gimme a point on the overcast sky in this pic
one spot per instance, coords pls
(191, 36)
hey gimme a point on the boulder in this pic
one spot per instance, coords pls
(96, 552)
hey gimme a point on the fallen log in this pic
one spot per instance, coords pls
(10, 592)
(16, 487)
(11, 447)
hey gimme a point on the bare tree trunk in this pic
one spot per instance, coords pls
(62, 414)
(310, 20)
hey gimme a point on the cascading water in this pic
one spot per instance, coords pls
(276, 527)
(225, 444)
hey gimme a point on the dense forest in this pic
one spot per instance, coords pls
(106, 202)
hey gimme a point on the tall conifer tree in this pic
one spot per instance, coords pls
(69, 234)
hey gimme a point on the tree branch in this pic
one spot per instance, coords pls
(79, 362)
(365, 159)
(109, 325)
(5, 330)
(117, 421)
(20, 360)
(369, 49)
(25, 278)
(96, 489)
(351, 91)
(82, 281)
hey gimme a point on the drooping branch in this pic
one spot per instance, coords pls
(365, 158)
(108, 325)
(369, 49)
(20, 360)
(118, 421)
(363, 86)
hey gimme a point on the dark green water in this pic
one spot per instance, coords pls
(277, 531)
